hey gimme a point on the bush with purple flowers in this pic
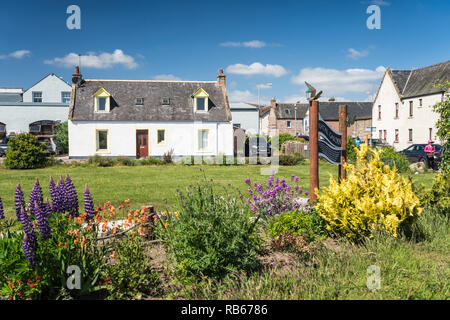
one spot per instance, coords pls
(276, 197)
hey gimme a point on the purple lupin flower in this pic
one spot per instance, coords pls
(71, 197)
(19, 200)
(61, 199)
(41, 218)
(35, 196)
(2, 214)
(88, 204)
(54, 195)
(48, 210)
(30, 251)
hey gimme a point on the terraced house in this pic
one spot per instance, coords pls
(402, 111)
(140, 118)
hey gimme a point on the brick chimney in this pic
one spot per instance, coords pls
(221, 79)
(273, 102)
(77, 77)
(272, 117)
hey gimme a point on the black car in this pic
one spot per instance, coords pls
(416, 153)
(257, 146)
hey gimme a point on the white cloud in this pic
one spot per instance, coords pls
(355, 54)
(380, 3)
(257, 68)
(166, 77)
(19, 54)
(339, 82)
(103, 60)
(246, 44)
(264, 86)
(241, 96)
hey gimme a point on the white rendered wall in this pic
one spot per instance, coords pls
(18, 117)
(180, 136)
(51, 88)
(423, 117)
(248, 119)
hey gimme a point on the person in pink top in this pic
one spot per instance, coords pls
(430, 151)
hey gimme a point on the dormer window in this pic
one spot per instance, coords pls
(201, 98)
(165, 101)
(139, 101)
(102, 100)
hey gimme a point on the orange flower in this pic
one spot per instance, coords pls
(127, 200)
(126, 224)
(132, 233)
(83, 242)
(143, 210)
(59, 245)
(165, 225)
(114, 254)
(75, 241)
(77, 232)
(114, 230)
(70, 218)
(89, 228)
(65, 245)
(140, 230)
(103, 227)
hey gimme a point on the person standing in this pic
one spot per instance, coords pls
(430, 151)
(358, 141)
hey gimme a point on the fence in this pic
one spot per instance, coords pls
(291, 147)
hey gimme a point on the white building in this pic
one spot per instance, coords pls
(140, 118)
(35, 110)
(245, 116)
(402, 112)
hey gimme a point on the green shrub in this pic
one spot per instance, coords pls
(291, 160)
(351, 153)
(438, 198)
(130, 274)
(211, 235)
(26, 152)
(101, 161)
(62, 137)
(307, 224)
(150, 161)
(393, 158)
(282, 138)
(125, 161)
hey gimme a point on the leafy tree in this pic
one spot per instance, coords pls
(26, 152)
(443, 125)
(62, 137)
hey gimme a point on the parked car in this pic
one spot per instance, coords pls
(416, 153)
(3, 147)
(378, 143)
(49, 142)
(303, 137)
(257, 146)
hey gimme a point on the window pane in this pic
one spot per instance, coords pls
(102, 140)
(65, 97)
(203, 139)
(37, 96)
(161, 136)
(201, 104)
(101, 104)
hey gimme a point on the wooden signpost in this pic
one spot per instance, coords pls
(331, 145)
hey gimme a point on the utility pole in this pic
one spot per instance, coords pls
(343, 129)
(314, 150)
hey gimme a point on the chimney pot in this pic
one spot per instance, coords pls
(77, 70)
(220, 71)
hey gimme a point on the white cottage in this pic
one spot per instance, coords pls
(36, 109)
(140, 118)
(402, 112)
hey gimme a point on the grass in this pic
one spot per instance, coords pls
(155, 185)
(409, 269)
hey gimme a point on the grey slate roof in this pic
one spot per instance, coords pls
(421, 81)
(329, 110)
(418, 82)
(124, 93)
(400, 78)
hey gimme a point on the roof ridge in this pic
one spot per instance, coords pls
(121, 80)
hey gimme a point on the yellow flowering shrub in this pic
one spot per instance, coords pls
(373, 197)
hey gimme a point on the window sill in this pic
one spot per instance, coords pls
(103, 151)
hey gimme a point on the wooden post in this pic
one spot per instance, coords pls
(314, 150)
(343, 129)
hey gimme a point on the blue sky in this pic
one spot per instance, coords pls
(325, 42)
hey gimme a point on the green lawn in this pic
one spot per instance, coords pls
(151, 184)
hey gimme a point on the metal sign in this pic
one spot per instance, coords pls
(333, 137)
(329, 152)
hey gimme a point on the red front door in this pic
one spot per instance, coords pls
(141, 144)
